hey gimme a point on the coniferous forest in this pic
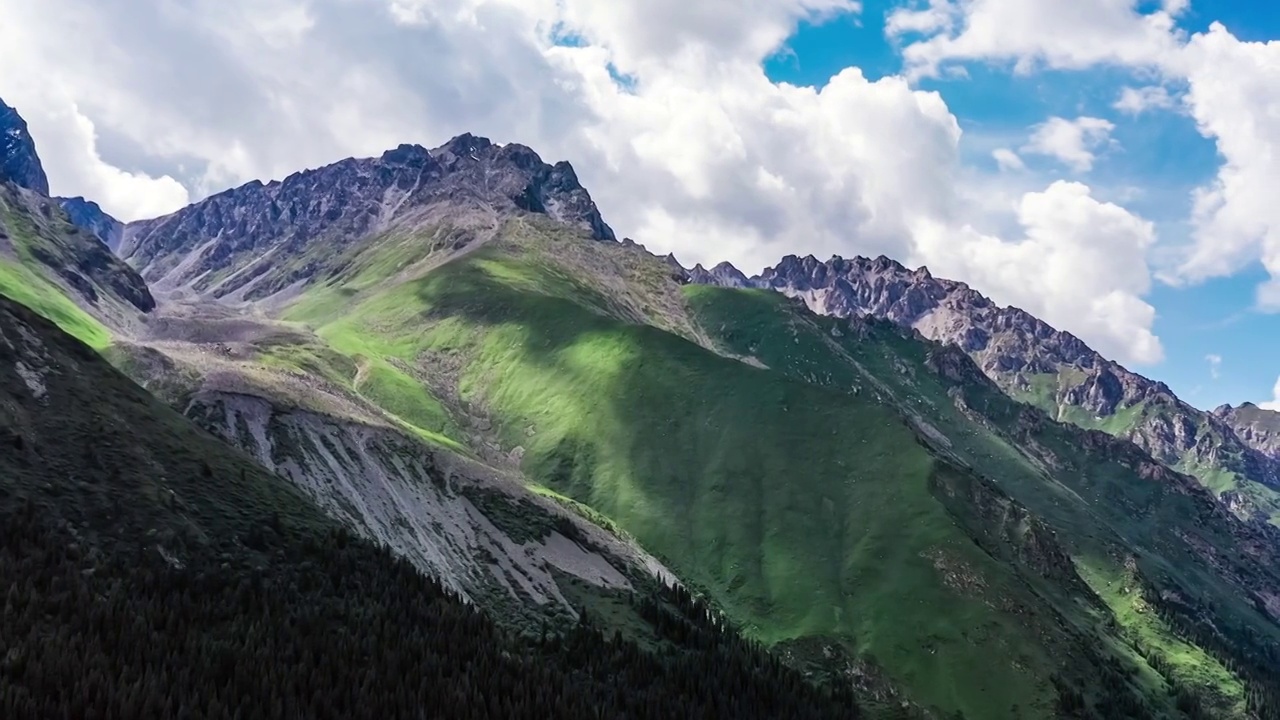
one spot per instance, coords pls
(335, 628)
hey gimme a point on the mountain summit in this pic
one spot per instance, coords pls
(258, 239)
(90, 217)
(19, 163)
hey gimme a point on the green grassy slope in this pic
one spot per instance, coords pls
(1134, 531)
(1226, 472)
(24, 285)
(802, 513)
(150, 569)
(67, 276)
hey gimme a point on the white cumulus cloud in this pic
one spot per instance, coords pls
(1007, 159)
(1232, 94)
(1031, 33)
(1138, 100)
(1073, 142)
(1274, 402)
(698, 152)
(1080, 264)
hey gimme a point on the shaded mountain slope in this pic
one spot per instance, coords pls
(412, 337)
(1032, 362)
(806, 514)
(19, 162)
(313, 415)
(46, 260)
(1153, 545)
(90, 217)
(50, 264)
(153, 572)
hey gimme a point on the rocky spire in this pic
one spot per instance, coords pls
(19, 163)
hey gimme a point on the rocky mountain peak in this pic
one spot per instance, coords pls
(19, 163)
(1258, 427)
(462, 146)
(90, 217)
(1026, 357)
(268, 226)
(406, 155)
(723, 275)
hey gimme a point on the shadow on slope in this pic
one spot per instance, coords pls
(800, 513)
(1191, 587)
(153, 572)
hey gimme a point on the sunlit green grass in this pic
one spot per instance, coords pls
(25, 286)
(799, 512)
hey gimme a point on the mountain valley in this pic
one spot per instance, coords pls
(901, 490)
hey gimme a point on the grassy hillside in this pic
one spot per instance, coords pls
(801, 512)
(68, 276)
(1227, 473)
(150, 569)
(1138, 534)
(866, 502)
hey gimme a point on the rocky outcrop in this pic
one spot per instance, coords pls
(37, 231)
(1026, 357)
(89, 217)
(19, 163)
(67, 255)
(1257, 427)
(483, 536)
(259, 238)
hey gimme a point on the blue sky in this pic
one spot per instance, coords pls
(1160, 153)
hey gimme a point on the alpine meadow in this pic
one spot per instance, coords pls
(420, 435)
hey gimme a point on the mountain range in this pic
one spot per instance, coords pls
(1230, 450)
(894, 486)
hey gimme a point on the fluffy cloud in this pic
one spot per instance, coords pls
(1080, 264)
(1215, 365)
(74, 164)
(1233, 96)
(1053, 33)
(1073, 142)
(698, 152)
(1138, 100)
(1274, 403)
(1231, 93)
(1007, 159)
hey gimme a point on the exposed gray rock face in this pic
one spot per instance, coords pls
(426, 506)
(1258, 428)
(258, 239)
(89, 216)
(19, 163)
(1024, 355)
(724, 274)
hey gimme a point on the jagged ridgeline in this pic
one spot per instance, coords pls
(1233, 452)
(446, 352)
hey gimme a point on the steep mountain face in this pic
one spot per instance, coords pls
(256, 240)
(375, 455)
(1257, 427)
(46, 260)
(89, 216)
(48, 263)
(1049, 368)
(19, 163)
